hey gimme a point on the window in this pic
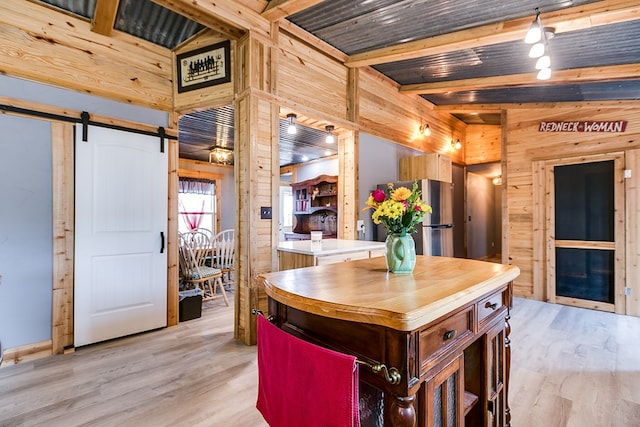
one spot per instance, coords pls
(196, 205)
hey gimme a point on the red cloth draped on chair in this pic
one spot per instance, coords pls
(304, 385)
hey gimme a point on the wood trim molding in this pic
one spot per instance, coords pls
(24, 353)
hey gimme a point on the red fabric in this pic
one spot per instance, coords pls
(304, 385)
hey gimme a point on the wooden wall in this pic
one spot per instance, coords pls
(55, 48)
(309, 81)
(388, 114)
(483, 144)
(215, 96)
(524, 145)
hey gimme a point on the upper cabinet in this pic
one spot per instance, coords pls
(315, 207)
(434, 166)
(320, 193)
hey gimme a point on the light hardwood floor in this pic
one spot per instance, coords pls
(571, 367)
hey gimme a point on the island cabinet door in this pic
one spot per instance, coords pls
(495, 377)
(443, 396)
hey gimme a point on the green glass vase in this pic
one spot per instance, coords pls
(400, 253)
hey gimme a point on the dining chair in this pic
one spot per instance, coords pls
(194, 249)
(224, 254)
(206, 231)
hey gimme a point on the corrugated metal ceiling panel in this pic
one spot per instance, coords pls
(154, 23)
(354, 27)
(199, 132)
(622, 90)
(575, 49)
(83, 8)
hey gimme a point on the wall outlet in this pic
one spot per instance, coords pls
(265, 212)
(360, 225)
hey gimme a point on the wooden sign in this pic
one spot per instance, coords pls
(584, 126)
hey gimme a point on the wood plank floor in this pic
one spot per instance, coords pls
(571, 367)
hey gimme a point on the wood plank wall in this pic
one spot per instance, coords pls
(483, 144)
(322, 91)
(388, 114)
(215, 96)
(526, 145)
(55, 48)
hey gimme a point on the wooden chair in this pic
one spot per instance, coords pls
(194, 249)
(224, 254)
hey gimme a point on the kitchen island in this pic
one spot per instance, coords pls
(436, 341)
(305, 253)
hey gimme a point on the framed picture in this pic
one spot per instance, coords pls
(207, 66)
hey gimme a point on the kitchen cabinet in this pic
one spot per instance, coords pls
(434, 166)
(297, 254)
(315, 206)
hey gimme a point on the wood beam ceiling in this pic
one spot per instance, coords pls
(576, 75)
(279, 9)
(228, 18)
(104, 16)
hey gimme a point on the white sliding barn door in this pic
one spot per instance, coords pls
(121, 221)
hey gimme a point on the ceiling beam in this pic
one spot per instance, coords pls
(577, 75)
(494, 108)
(278, 9)
(104, 16)
(571, 19)
(227, 17)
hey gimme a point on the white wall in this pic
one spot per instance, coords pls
(379, 161)
(26, 230)
(320, 167)
(481, 221)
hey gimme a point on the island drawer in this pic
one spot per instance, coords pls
(489, 307)
(443, 337)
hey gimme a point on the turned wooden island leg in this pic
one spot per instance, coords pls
(507, 373)
(507, 355)
(403, 412)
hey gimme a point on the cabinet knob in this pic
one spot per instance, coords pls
(491, 306)
(450, 334)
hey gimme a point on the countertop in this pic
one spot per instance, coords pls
(329, 246)
(363, 290)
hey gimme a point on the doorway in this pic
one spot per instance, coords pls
(584, 226)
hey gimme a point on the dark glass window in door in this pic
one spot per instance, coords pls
(584, 201)
(584, 211)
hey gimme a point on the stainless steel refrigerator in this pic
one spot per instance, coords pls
(435, 235)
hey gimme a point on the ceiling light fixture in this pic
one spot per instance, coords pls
(220, 155)
(535, 30)
(329, 139)
(540, 35)
(425, 129)
(544, 74)
(291, 126)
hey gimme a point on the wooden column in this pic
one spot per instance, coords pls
(63, 236)
(172, 231)
(254, 171)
